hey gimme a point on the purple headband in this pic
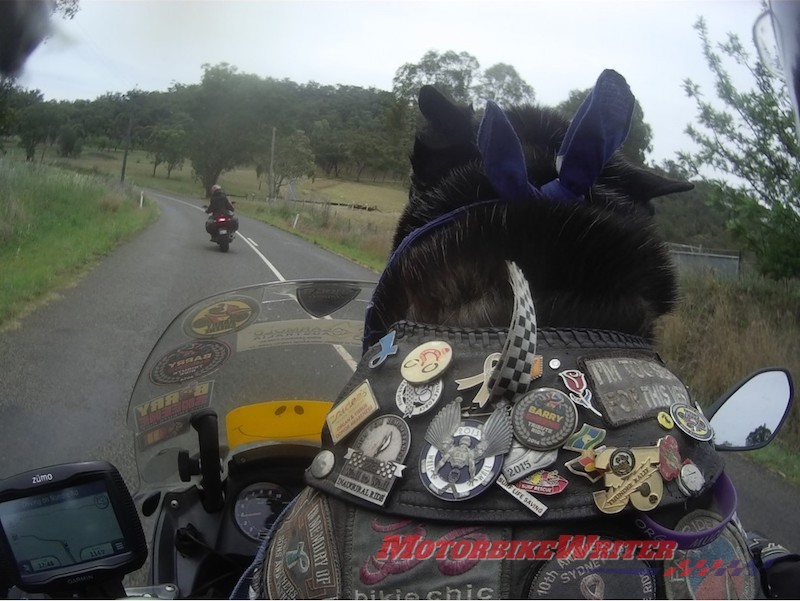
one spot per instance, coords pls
(725, 495)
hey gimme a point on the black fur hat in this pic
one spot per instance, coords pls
(593, 260)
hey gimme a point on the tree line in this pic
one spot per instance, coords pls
(281, 128)
(285, 130)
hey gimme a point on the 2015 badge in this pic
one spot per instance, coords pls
(522, 461)
(464, 456)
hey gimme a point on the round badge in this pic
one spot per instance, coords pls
(544, 419)
(622, 462)
(385, 438)
(426, 362)
(735, 577)
(554, 364)
(222, 317)
(189, 361)
(591, 578)
(417, 399)
(455, 475)
(691, 480)
(322, 465)
(669, 458)
(691, 421)
(665, 421)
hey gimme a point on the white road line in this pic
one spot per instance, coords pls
(347, 357)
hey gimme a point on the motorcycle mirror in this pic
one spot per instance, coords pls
(323, 298)
(751, 413)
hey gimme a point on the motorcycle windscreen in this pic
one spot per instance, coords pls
(267, 365)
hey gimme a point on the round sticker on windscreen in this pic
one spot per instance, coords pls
(189, 361)
(222, 317)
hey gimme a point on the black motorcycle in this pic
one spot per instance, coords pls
(222, 227)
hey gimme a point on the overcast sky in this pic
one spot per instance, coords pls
(555, 45)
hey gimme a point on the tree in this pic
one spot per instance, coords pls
(453, 73)
(748, 146)
(293, 158)
(222, 108)
(65, 8)
(502, 83)
(638, 142)
(166, 145)
(70, 141)
(758, 436)
(38, 123)
(330, 151)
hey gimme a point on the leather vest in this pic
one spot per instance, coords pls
(435, 522)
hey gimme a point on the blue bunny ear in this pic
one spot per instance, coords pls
(503, 159)
(598, 129)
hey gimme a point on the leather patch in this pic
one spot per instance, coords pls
(302, 562)
(594, 579)
(629, 389)
(721, 569)
(400, 558)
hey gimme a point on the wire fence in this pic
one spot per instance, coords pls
(720, 263)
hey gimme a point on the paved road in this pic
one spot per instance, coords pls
(69, 370)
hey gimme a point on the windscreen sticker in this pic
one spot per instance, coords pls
(159, 434)
(300, 331)
(174, 404)
(190, 361)
(222, 317)
(630, 389)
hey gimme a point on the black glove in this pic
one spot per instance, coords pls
(780, 569)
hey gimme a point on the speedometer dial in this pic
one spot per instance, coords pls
(257, 507)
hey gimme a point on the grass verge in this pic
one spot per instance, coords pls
(53, 225)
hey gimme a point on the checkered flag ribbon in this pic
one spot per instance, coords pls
(512, 375)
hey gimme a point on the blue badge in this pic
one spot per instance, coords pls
(388, 348)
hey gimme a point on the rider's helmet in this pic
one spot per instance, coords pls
(781, 20)
(216, 188)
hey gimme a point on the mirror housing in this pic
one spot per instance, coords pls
(751, 413)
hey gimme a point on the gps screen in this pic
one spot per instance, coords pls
(60, 528)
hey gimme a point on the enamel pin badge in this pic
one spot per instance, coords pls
(463, 457)
(375, 460)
